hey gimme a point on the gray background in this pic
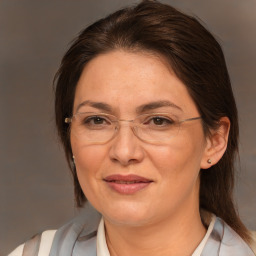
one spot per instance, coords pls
(35, 185)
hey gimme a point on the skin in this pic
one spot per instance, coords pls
(166, 213)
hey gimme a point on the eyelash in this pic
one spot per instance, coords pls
(164, 121)
(93, 118)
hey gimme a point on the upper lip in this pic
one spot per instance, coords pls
(130, 177)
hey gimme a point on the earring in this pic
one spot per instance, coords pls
(73, 158)
(209, 161)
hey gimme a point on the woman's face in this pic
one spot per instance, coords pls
(132, 182)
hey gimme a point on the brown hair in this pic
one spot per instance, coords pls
(195, 57)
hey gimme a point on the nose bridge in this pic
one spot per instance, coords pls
(129, 122)
(124, 123)
(125, 146)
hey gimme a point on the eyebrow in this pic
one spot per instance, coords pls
(99, 105)
(141, 109)
(156, 104)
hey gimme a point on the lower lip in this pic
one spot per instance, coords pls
(128, 189)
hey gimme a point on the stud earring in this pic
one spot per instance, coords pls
(73, 158)
(209, 161)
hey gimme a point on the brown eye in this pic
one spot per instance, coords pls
(158, 121)
(161, 121)
(96, 121)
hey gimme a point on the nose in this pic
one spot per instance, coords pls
(126, 148)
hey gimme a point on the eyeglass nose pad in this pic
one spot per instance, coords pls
(135, 130)
(127, 123)
(116, 128)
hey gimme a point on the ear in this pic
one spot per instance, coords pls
(216, 144)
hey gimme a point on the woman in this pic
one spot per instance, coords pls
(147, 117)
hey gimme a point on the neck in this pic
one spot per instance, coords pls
(178, 235)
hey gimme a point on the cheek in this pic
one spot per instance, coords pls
(179, 162)
(88, 160)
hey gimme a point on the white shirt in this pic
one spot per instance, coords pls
(102, 248)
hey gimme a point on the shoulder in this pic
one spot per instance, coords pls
(18, 251)
(39, 244)
(62, 242)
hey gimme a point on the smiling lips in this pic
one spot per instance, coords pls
(128, 184)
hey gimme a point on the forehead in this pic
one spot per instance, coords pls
(125, 80)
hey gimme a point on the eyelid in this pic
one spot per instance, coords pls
(93, 113)
(162, 115)
(167, 119)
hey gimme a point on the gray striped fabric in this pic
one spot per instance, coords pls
(79, 237)
(78, 240)
(224, 241)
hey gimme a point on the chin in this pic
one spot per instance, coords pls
(127, 215)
